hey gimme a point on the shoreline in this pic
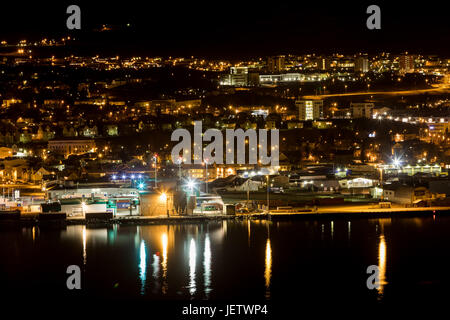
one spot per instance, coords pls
(10, 219)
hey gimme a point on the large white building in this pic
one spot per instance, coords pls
(309, 109)
(292, 77)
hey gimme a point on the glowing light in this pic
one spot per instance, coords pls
(163, 197)
(397, 162)
(164, 262)
(191, 184)
(84, 246)
(142, 266)
(192, 262)
(382, 265)
(268, 268)
(207, 266)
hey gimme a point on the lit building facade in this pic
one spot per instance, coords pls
(309, 109)
(361, 64)
(69, 147)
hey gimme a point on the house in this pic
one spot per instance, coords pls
(39, 174)
(241, 184)
(405, 194)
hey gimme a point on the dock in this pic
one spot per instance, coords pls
(336, 212)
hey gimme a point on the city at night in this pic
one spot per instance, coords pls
(230, 160)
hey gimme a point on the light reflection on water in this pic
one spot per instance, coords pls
(207, 266)
(220, 259)
(142, 266)
(192, 264)
(164, 263)
(84, 246)
(382, 265)
(268, 268)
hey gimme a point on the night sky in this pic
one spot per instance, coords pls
(236, 29)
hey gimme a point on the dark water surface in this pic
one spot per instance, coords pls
(281, 263)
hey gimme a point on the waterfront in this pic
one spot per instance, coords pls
(273, 261)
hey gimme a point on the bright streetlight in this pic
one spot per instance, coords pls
(163, 198)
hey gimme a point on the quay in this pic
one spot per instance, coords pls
(337, 212)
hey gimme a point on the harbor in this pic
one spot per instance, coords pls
(105, 218)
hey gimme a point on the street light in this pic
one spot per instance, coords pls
(163, 198)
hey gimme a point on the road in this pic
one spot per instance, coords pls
(360, 209)
(444, 87)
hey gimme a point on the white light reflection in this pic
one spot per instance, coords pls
(268, 268)
(192, 260)
(349, 230)
(155, 266)
(142, 266)
(207, 266)
(164, 262)
(332, 230)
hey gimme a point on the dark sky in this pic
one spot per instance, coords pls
(238, 28)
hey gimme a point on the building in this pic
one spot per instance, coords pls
(276, 64)
(238, 76)
(361, 64)
(309, 109)
(292, 77)
(405, 194)
(362, 110)
(324, 64)
(406, 63)
(76, 200)
(71, 146)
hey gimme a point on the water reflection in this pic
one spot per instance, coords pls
(155, 266)
(332, 230)
(207, 266)
(84, 246)
(268, 268)
(192, 261)
(349, 234)
(142, 266)
(164, 262)
(382, 265)
(248, 232)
